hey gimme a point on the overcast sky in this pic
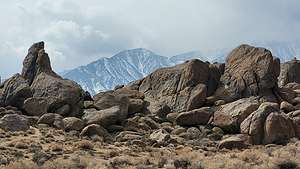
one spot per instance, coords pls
(77, 32)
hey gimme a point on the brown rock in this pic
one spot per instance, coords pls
(195, 117)
(73, 123)
(254, 124)
(239, 141)
(231, 115)
(278, 128)
(105, 117)
(94, 129)
(14, 122)
(250, 71)
(174, 86)
(136, 106)
(286, 107)
(36, 61)
(295, 116)
(51, 119)
(36, 106)
(289, 72)
(65, 92)
(15, 91)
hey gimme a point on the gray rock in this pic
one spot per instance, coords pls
(14, 122)
(36, 106)
(105, 117)
(51, 119)
(15, 91)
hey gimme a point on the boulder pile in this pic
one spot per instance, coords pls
(231, 105)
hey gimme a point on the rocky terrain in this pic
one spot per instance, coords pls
(244, 113)
(130, 65)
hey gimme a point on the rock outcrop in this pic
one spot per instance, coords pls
(15, 91)
(231, 115)
(183, 87)
(289, 73)
(250, 71)
(62, 96)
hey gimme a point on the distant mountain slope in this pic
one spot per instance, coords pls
(130, 65)
(122, 68)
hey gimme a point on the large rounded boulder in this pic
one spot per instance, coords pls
(15, 91)
(182, 87)
(250, 71)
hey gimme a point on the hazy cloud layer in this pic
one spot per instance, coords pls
(77, 32)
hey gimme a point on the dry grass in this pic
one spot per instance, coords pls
(62, 152)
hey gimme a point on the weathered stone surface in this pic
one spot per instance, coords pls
(35, 62)
(135, 106)
(161, 110)
(107, 100)
(65, 92)
(15, 91)
(171, 117)
(160, 136)
(287, 94)
(52, 119)
(149, 122)
(253, 125)
(73, 123)
(231, 115)
(286, 107)
(36, 106)
(250, 71)
(14, 122)
(278, 128)
(195, 117)
(289, 72)
(239, 141)
(182, 87)
(295, 116)
(105, 117)
(94, 130)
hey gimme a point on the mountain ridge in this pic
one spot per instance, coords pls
(129, 65)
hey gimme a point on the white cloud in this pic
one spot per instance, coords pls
(78, 32)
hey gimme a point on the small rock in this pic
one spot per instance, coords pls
(51, 119)
(73, 123)
(94, 129)
(234, 142)
(286, 107)
(160, 136)
(14, 122)
(195, 117)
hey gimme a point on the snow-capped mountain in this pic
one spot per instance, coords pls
(126, 66)
(130, 65)
(188, 56)
(285, 51)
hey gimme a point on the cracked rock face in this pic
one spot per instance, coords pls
(183, 87)
(289, 73)
(250, 71)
